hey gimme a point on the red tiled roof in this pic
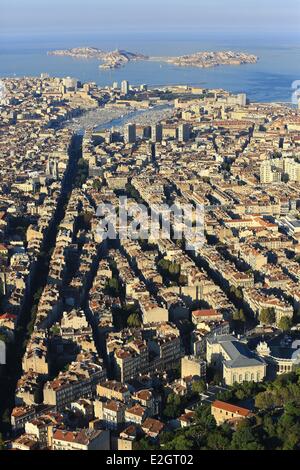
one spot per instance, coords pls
(8, 316)
(206, 313)
(136, 410)
(222, 405)
(152, 425)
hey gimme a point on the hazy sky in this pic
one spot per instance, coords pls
(149, 15)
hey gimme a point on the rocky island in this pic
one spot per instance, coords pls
(119, 58)
(210, 59)
(111, 60)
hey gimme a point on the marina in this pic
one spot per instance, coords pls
(108, 118)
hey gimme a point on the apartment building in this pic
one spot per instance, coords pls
(85, 439)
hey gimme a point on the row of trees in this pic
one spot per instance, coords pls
(133, 193)
(112, 287)
(82, 173)
(267, 316)
(239, 316)
(126, 316)
(171, 271)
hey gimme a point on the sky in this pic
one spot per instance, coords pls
(148, 15)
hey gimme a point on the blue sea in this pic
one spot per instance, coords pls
(268, 80)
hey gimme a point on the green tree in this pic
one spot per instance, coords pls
(246, 390)
(237, 292)
(173, 406)
(245, 438)
(163, 264)
(288, 428)
(291, 441)
(97, 184)
(269, 425)
(264, 400)
(218, 441)
(134, 321)
(112, 287)
(267, 316)
(174, 268)
(170, 270)
(285, 323)
(180, 442)
(242, 315)
(292, 408)
(55, 329)
(239, 315)
(204, 418)
(143, 444)
(199, 386)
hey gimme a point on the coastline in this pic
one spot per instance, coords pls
(269, 80)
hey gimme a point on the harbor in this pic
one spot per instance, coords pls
(108, 118)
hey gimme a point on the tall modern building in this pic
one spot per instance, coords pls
(125, 87)
(71, 84)
(242, 99)
(237, 100)
(269, 173)
(52, 169)
(156, 133)
(292, 169)
(183, 133)
(130, 133)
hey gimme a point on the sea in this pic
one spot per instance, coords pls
(270, 80)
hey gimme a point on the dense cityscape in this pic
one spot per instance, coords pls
(147, 342)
